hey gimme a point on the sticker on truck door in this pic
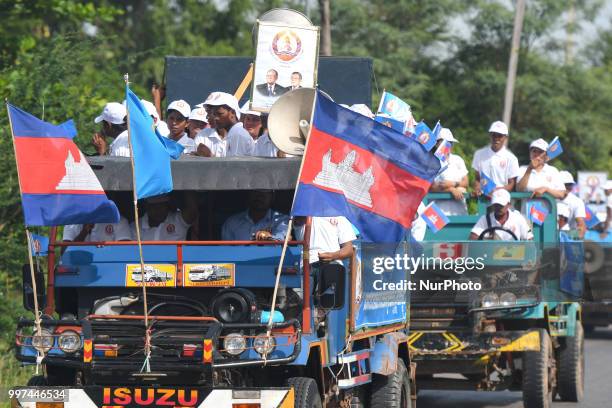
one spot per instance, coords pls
(156, 275)
(208, 275)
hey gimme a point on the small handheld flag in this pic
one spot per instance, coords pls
(443, 151)
(434, 217)
(538, 213)
(591, 220)
(424, 135)
(388, 121)
(487, 184)
(394, 107)
(40, 245)
(152, 152)
(58, 187)
(554, 148)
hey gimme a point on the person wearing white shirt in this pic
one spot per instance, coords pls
(230, 138)
(198, 121)
(454, 179)
(162, 223)
(496, 161)
(113, 119)
(98, 232)
(331, 239)
(259, 222)
(563, 216)
(264, 146)
(160, 125)
(501, 221)
(576, 207)
(178, 112)
(419, 226)
(608, 190)
(539, 177)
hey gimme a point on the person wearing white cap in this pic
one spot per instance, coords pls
(502, 222)
(539, 177)
(177, 114)
(252, 121)
(496, 161)
(563, 216)
(576, 207)
(160, 125)
(229, 137)
(198, 121)
(113, 119)
(608, 190)
(454, 179)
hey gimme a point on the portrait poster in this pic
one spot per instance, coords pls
(590, 190)
(285, 58)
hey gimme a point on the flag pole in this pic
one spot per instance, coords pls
(39, 354)
(146, 364)
(288, 234)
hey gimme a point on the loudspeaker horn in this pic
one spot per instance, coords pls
(289, 120)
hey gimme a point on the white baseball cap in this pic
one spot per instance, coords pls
(500, 196)
(566, 177)
(539, 144)
(447, 135)
(113, 113)
(498, 127)
(563, 210)
(245, 110)
(223, 98)
(181, 107)
(199, 114)
(608, 185)
(362, 109)
(150, 108)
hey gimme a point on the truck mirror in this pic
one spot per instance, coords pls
(28, 290)
(331, 287)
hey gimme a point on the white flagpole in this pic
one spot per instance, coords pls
(40, 353)
(146, 364)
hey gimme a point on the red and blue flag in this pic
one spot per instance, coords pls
(434, 217)
(58, 187)
(538, 213)
(358, 168)
(443, 151)
(591, 220)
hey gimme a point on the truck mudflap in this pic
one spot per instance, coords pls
(456, 344)
(128, 397)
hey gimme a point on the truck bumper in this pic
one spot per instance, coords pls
(197, 397)
(444, 344)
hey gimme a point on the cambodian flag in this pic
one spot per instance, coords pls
(554, 148)
(394, 107)
(443, 151)
(538, 213)
(434, 217)
(487, 184)
(40, 245)
(591, 219)
(358, 168)
(57, 185)
(424, 135)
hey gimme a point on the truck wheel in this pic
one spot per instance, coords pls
(306, 392)
(392, 391)
(571, 367)
(539, 374)
(37, 381)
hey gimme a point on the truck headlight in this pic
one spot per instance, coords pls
(234, 344)
(507, 299)
(43, 341)
(264, 345)
(69, 341)
(490, 300)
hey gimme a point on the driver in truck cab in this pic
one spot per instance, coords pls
(502, 222)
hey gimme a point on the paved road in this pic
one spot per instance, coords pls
(598, 383)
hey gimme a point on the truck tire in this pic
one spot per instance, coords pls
(539, 375)
(306, 392)
(392, 391)
(37, 381)
(571, 367)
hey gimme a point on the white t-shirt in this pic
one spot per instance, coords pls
(239, 141)
(264, 146)
(101, 232)
(548, 176)
(609, 204)
(499, 166)
(455, 172)
(188, 144)
(173, 228)
(576, 207)
(419, 226)
(120, 146)
(327, 234)
(211, 139)
(240, 227)
(515, 223)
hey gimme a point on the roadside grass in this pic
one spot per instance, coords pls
(11, 374)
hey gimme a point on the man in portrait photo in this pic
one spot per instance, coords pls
(271, 88)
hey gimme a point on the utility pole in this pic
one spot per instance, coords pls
(326, 48)
(513, 63)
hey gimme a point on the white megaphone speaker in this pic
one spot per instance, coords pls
(289, 120)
